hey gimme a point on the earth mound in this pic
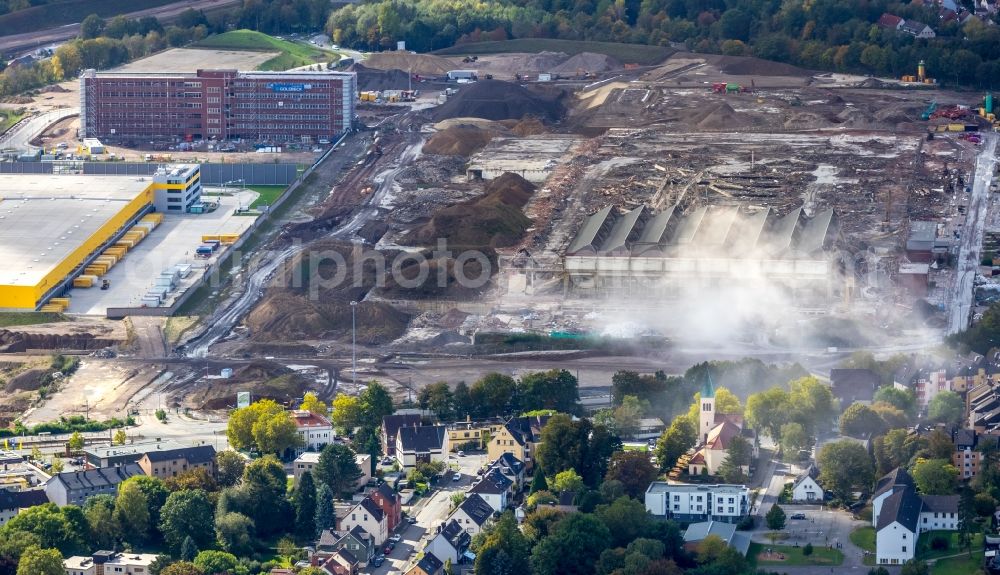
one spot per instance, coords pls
(587, 62)
(492, 220)
(373, 79)
(458, 141)
(422, 64)
(498, 100)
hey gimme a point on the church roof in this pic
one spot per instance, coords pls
(708, 387)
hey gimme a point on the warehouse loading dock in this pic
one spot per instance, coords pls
(51, 226)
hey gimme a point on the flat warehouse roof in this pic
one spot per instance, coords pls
(43, 219)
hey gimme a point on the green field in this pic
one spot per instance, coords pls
(8, 118)
(291, 54)
(69, 12)
(268, 194)
(963, 565)
(864, 537)
(794, 557)
(625, 53)
(11, 319)
(924, 550)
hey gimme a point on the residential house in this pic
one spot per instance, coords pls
(108, 562)
(429, 564)
(512, 468)
(853, 385)
(13, 502)
(467, 432)
(805, 488)
(390, 504)
(918, 29)
(520, 437)
(422, 444)
(697, 532)
(115, 455)
(965, 457)
(494, 488)
(357, 541)
(164, 463)
(315, 430)
(890, 21)
(901, 515)
(473, 514)
(684, 502)
(929, 384)
(369, 516)
(391, 425)
(451, 543)
(364, 463)
(75, 487)
(304, 462)
(342, 562)
(565, 502)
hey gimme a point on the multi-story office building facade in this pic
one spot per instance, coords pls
(217, 104)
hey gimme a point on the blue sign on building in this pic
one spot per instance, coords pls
(288, 87)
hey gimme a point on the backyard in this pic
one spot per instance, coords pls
(963, 565)
(925, 551)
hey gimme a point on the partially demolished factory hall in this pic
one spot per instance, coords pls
(661, 254)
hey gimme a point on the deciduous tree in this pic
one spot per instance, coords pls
(633, 469)
(775, 518)
(946, 407)
(187, 514)
(845, 466)
(572, 547)
(504, 549)
(859, 420)
(312, 404)
(675, 441)
(555, 389)
(234, 532)
(229, 467)
(36, 561)
(132, 513)
(935, 476)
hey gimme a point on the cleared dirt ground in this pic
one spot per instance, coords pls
(190, 60)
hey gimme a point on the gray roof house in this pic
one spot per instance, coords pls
(75, 487)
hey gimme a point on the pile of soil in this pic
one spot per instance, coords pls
(527, 127)
(458, 141)
(540, 62)
(29, 380)
(898, 115)
(498, 100)
(855, 118)
(284, 315)
(750, 66)
(718, 117)
(805, 121)
(585, 62)
(422, 64)
(53, 88)
(492, 220)
(372, 79)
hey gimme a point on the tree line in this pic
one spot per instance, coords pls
(838, 35)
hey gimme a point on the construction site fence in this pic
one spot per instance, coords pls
(211, 271)
(211, 174)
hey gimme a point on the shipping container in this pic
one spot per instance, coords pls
(51, 308)
(63, 301)
(83, 282)
(210, 238)
(183, 270)
(956, 127)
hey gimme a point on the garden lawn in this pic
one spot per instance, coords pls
(925, 552)
(963, 565)
(794, 556)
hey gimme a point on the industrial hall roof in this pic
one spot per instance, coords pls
(734, 231)
(45, 218)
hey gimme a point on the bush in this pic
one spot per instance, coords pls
(747, 523)
(161, 414)
(939, 543)
(807, 550)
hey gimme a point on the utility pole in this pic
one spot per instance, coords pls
(354, 343)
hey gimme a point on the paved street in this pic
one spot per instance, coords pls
(20, 138)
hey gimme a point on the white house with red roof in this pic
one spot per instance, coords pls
(316, 431)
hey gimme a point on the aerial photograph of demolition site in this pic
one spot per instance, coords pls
(585, 204)
(254, 217)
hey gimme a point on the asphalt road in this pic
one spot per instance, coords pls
(62, 33)
(20, 137)
(970, 248)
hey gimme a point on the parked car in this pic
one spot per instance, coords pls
(798, 516)
(396, 538)
(411, 520)
(461, 454)
(389, 547)
(378, 561)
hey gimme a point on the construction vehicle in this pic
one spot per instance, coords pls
(106, 284)
(729, 88)
(986, 111)
(719, 87)
(930, 110)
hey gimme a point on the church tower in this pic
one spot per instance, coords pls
(706, 419)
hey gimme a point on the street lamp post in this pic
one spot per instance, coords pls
(354, 343)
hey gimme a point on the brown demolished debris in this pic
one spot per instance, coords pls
(421, 64)
(373, 79)
(264, 379)
(494, 220)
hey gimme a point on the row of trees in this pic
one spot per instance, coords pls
(829, 34)
(497, 394)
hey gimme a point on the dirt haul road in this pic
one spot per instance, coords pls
(62, 33)
(346, 192)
